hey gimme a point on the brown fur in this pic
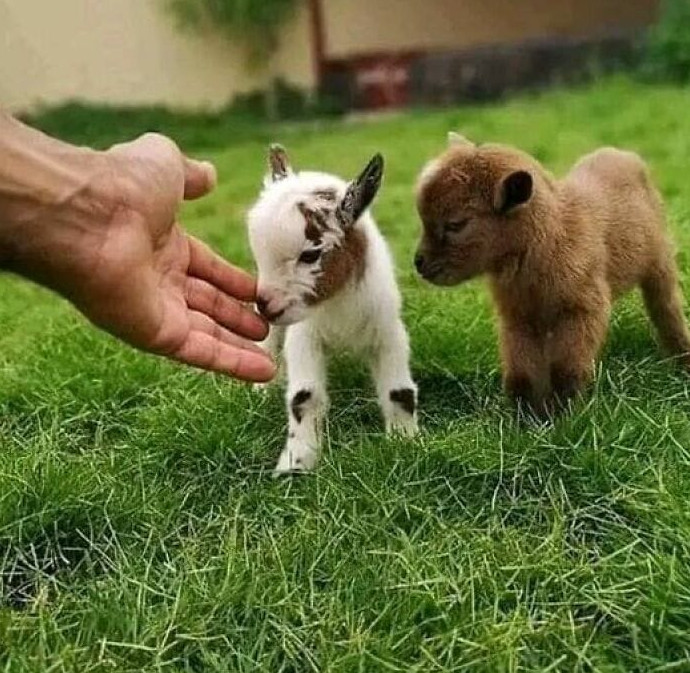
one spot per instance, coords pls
(555, 262)
(341, 265)
(315, 224)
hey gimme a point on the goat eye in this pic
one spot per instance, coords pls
(309, 256)
(456, 225)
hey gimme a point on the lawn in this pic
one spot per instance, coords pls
(141, 530)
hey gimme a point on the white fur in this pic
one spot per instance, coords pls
(364, 317)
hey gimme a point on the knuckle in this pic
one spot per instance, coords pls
(216, 331)
(164, 148)
(158, 138)
(235, 363)
(216, 302)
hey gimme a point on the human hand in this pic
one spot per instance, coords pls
(114, 248)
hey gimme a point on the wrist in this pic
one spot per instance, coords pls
(55, 200)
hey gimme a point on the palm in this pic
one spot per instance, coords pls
(162, 290)
(174, 319)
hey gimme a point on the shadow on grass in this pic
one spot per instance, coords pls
(447, 396)
(31, 568)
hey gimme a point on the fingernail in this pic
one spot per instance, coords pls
(211, 172)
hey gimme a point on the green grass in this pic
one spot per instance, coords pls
(140, 529)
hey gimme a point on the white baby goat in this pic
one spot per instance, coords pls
(326, 280)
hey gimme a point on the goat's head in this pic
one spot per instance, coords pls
(303, 234)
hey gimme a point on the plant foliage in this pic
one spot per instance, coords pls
(668, 47)
(256, 23)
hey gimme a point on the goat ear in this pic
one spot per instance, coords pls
(456, 140)
(513, 191)
(360, 193)
(278, 164)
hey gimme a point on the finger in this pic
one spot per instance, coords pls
(207, 265)
(202, 323)
(200, 178)
(204, 297)
(206, 352)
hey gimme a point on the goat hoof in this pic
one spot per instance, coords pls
(295, 461)
(408, 428)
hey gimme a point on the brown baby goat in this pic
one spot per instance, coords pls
(557, 254)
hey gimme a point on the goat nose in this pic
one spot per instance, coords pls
(262, 305)
(419, 261)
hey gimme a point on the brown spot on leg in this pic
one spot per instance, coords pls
(298, 401)
(404, 397)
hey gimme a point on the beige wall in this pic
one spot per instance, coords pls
(130, 52)
(126, 51)
(361, 26)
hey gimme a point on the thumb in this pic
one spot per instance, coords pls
(200, 178)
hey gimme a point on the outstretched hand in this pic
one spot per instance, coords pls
(113, 246)
(161, 289)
